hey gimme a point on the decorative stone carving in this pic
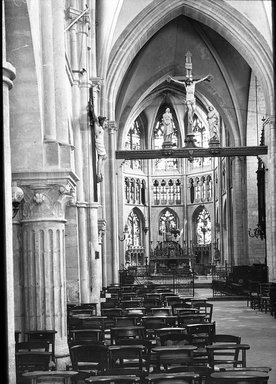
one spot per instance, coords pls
(47, 201)
(39, 198)
(101, 230)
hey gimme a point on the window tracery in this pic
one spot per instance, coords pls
(135, 249)
(135, 191)
(158, 140)
(167, 222)
(200, 189)
(166, 192)
(202, 136)
(133, 142)
(203, 227)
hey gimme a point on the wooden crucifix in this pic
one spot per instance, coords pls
(190, 151)
(189, 84)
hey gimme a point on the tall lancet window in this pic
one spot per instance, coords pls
(167, 222)
(203, 227)
(134, 230)
(133, 142)
(159, 138)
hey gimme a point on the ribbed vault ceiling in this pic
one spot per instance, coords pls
(164, 54)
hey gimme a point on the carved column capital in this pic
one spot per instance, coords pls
(45, 196)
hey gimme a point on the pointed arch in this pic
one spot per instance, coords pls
(221, 17)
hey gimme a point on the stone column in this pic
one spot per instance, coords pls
(43, 256)
(8, 75)
(101, 234)
(48, 70)
(94, 252)
(61, 80)
(113, 205)
(270, 140)
(239, 214)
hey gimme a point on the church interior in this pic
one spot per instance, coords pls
(139, 169)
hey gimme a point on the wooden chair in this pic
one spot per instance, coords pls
(236, 377)
(190, 318)
(139, 311)
(29, 361)
(227, 354)
(124, 379)
(203, 371)
(110, 303)
(127, 358)
(201, 336)
(175, 339)
(172, 300)
(95, 336)
(163, 311)
(152, 324)
(44, 335)
(225, 338)
(40, 377)
(183, 308)
(131, 303)
(119, 334)
(272, 297)
(110, 314)
(152, 303)
(35, 345)
(177, 378)
(167, 356)
(125, 321)
(204, 308)
(89, 359)
(253, 299)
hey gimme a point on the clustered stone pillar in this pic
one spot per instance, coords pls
(8, 75)
(270, 132)
(239, 230)
(113, 197)
(43, 260)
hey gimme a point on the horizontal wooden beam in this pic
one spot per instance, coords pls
(191, 152)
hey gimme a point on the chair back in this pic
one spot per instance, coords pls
(175, 378)
(124, 379)
(124, 321)
(89, 357)
(204, 308)
(163, 311)
(34, 345)
(127, 356)
(190, 318)
(201, 334)
(119, 334)
(30, 361)
(91, 335)
(227, 354)
(175, 339)
(242, 377)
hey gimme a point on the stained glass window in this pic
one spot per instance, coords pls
(133, 142)
(203, 227)
(158, 140)
(167, 222)
(202, 137)
(134, 230)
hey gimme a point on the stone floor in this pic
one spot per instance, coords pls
(255, 328)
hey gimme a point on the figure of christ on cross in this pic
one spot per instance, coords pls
(189, 85)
